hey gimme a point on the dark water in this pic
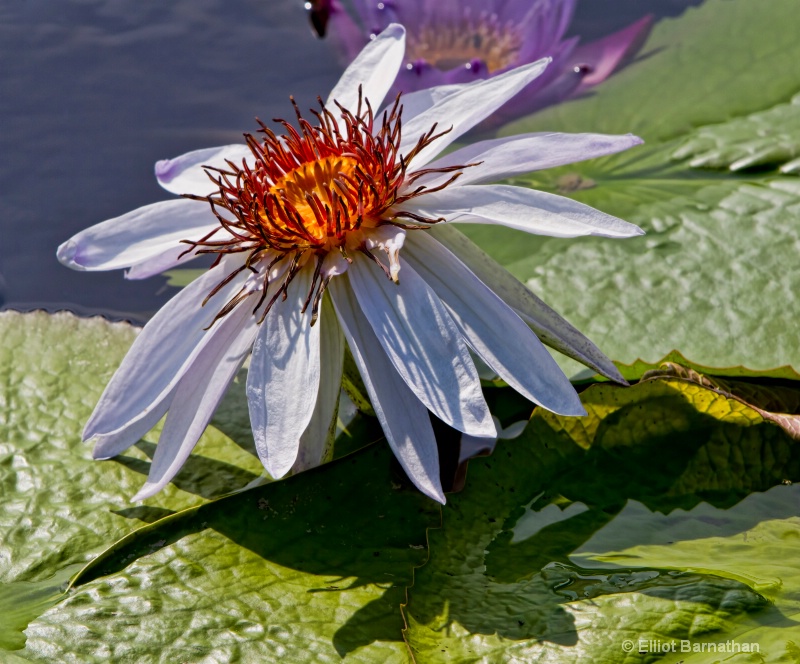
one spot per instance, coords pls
(93, 92)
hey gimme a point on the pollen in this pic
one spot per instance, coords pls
(322, 195)
(462, 42)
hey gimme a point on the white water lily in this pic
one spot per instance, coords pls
(338, 231)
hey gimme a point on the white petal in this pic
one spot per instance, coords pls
(465, 108)
(185, 174)
(283, 378)
(403, 418)
(167, 260)
(388, 239)
(161, 354)
(137, 236)
(420, 101)
(523, 209)
(502, 158)
(492, 328)
(472, 446)
(374, 69)
(424, 345)
(548, 325)
(198, 394)
(108, 445)
(317, 440)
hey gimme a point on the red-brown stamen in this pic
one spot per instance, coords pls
(313, 191)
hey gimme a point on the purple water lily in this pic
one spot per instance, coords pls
(458, 41)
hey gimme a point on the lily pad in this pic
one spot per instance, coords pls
(765, 139)
(539, 559)
(713, 274)
(60, 507)
(312, 569)
(309, 569)
(637, 369)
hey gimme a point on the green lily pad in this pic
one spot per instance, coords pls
(767, 138)
(541, 558)
(720, 60)
(713, 276)
(637, 369)
(181, 277)
(309, 569)
(60, 507)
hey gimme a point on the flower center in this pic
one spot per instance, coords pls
(320, 193)
(460, 43)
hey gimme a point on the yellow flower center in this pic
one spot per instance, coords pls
(449, 46)
(322, 194)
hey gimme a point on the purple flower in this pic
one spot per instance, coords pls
(459, 41)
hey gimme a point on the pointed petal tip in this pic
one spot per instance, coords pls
(278, 469)
(635, 140)
(431, 489)
(612, 373)
(165, 170)
(568, 405)
(100, 455)
(101, 445)
(395, 30)
(439, 498)
(67, 254)
(537, 66)
(568, 411)
(147, 491)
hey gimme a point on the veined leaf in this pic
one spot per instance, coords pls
(308, 569)
(539, 558)
(713, 276)
(767, 138)
(59, 507)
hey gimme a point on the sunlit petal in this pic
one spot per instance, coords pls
(197, 396)
(137, 236)
(283, 379)
(186, 174)
(424, 345)
(502, 158)
(548, 325)
(528, 210)
(461, 111)
(317, 439)
(403, 418)
(374, 70)
(492, 328)
(160, 355)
